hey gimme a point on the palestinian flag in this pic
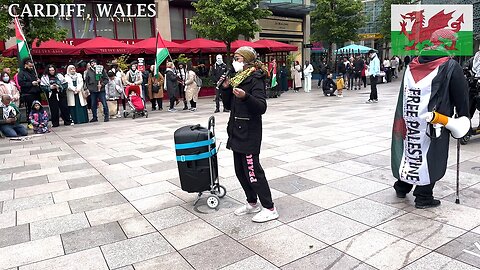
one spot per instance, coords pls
(274, 75)
(23, 51)
(415, 157)
(161, 54)
(444, 29)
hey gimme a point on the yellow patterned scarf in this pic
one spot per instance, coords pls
(241, 76)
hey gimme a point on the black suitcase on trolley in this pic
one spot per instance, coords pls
(191, 146)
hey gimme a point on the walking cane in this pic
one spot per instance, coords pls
(457, 200)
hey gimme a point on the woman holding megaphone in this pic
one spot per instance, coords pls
(433, 90)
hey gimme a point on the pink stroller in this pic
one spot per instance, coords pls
(135, 102)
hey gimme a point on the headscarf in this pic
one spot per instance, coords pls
(251, 65)
(74, 75)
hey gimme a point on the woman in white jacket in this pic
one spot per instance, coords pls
(76, 101)
(191, 88)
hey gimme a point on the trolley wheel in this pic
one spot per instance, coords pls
(465, 139)
(213, 201)
(134, 116)
(146, 114)
(221, 191)
(125, 114)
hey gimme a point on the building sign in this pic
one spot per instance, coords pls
(371, 36)
(281, 24)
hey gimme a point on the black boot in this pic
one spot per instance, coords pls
(185, 107)
(427, 204)
(216, 110)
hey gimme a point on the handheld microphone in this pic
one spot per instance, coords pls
(222, 80)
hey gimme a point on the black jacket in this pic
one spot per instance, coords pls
(91, 82)
(25, 79)
(358, 65)
(322, 67)
(341, 68)
(217, 72)
(329, 83)
(172, 83)
(245, 123)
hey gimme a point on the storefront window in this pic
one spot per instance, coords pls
(84, 26)
(176, 23)
(105, 27)
(66, 24)
(125, 28)
(144, 27)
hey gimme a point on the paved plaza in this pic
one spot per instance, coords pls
(107, 196)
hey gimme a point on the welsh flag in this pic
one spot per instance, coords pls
(435, 29)
(162, 53)
(274, 75)
(23, 52)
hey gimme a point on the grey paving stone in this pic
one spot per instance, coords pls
(328, 258)
(96, 202)
(92, 237)
(25, 182)
(5, 152)
(29, 252)
(337, 156)
(292, 184)
(168, 261)
(468, 167)
(91, 259)
(136, 226)
(21, 169)
(205, 255)
(435, 261)
(325, 196)
(68, 157)
(86, 181)
(374, 160)
(368, 212)
(117, 160)
(111, 213)
(161, 166)
(155, 203)
(252, 262)
(198, 231)
(89, 135)
(58, 225)
(7, 219)
(44, 151)
(135, 250)
(469, 196)
(227, 205)
(271, 245)
(376, 248)
(14, 235)
(28, 202)
(463, 249)
(69, 168)
(43, 212)
(292, 208)
(169, 217)
(239, 227)
(329, 227)
(359, 186)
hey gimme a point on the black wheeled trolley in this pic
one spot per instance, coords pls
(197, 162)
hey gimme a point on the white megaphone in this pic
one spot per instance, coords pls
(459, 127)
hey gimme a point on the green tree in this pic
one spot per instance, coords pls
(336, 21)
(226, 20)
(42, 29)
(386, 16)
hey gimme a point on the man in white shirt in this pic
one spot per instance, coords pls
(307, 72)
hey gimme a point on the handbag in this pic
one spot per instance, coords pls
(155, 88)
(85, 93)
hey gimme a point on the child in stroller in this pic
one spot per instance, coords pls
(135, 102)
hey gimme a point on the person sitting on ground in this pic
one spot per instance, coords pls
(340, 85)
(329, 86)
(9, 125)
(38, 118)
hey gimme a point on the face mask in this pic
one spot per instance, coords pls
(238, 66)
(219, 61)
(6, 79)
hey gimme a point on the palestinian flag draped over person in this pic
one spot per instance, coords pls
(161, 54)
(414, 27)
(23, 51)
(274, 74)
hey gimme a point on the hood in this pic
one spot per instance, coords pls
(36, 102)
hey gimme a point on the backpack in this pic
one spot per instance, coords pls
(198, 81)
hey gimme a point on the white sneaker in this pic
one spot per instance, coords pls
(248, 209)
(265, 215)
(340, 96)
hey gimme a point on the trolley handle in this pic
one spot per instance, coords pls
(211, 122)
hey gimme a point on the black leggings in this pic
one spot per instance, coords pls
(156, 101)
(252, 179)
(193, 104)
(56, 105)
(172, 102)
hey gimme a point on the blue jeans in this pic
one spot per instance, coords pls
(15, 130)
(96, 96)
(322, 77)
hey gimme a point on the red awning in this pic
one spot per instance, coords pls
(204, 45)
(148, 46)
(101, 45)
(50, 47)
(240, 43)
(275, 46)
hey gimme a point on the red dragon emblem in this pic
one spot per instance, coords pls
(436, 32)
